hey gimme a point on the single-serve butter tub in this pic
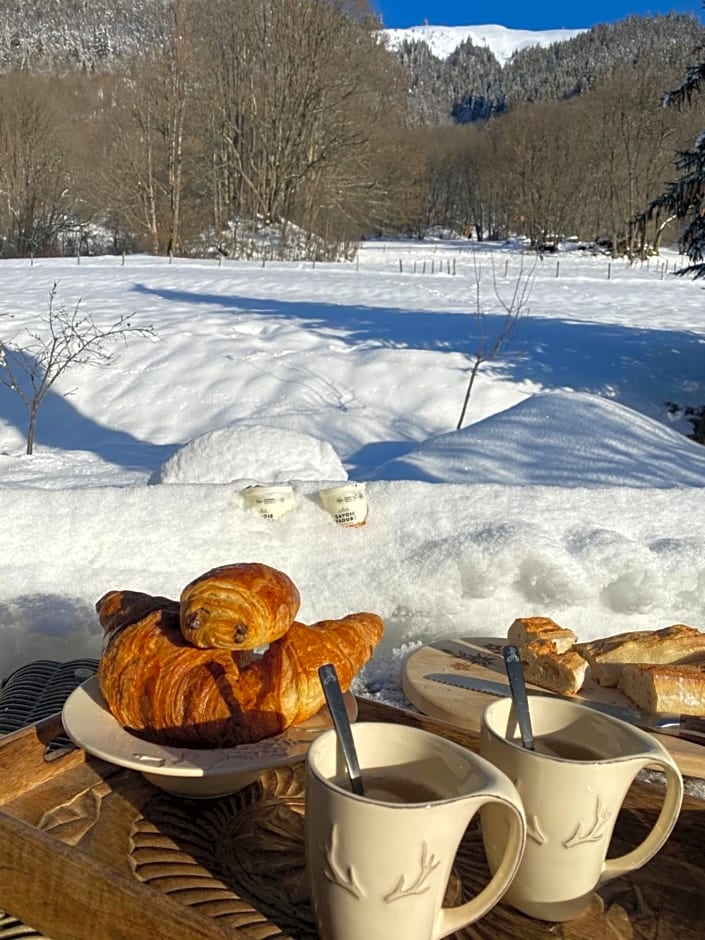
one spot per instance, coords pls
(271, 501)
(347, 503)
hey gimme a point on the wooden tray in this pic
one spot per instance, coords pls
(90, 851)
(482, 659)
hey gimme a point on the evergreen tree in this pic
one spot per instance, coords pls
(684, 197)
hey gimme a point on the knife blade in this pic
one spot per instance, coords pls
(487, 658)
(684, 726)
(479, 655)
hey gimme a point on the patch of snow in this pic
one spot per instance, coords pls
(253, 453)
(500, 40)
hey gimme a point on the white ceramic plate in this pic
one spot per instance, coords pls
(191, 772)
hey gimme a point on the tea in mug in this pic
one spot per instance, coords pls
(386, 787)
(564, 748)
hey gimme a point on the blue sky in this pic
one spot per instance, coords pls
(516, 15)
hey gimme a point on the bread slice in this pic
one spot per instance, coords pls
(527, 629)
(607, 656)
(544, 665)
(657, 687)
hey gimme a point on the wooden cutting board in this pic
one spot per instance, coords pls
(482, 659)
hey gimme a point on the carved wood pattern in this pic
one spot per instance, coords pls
(238, 852)
(238, 858)
(13, 929)
(72, 820)
(242, 854)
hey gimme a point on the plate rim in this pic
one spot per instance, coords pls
(175, 761)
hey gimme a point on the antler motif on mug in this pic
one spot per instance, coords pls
(596, 830)
(533, 830)
(334, 872)
(428, 864)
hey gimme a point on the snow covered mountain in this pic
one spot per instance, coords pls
(501, 41)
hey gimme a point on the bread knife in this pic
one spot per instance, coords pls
(460, 650)
(684, 726)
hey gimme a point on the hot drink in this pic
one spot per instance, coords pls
(379, 865)
(566, 749)
(572, 787)
(389, 788)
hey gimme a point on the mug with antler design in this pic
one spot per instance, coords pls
(572, 787)
(379, 864)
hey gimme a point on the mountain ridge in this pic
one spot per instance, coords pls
(502, 41)
(493, 69)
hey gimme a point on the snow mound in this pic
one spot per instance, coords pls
(560, 438)
(251, 452)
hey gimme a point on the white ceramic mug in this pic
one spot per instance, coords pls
(571, 801)
(347, 503)
(379, 864)
(270, 501)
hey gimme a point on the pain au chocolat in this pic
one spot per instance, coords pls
(238, 607)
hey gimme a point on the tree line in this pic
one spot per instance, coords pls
(471, 85)
(293, 112)
(552, 169)
(281, 110)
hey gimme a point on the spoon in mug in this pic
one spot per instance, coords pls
(515, 674)
(341, 723)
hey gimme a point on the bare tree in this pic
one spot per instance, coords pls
(633, 140)
(295, 134)
(71, 338)
(150, 155)
(36, 193)
(491, 342)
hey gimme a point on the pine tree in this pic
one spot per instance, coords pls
(684, 197)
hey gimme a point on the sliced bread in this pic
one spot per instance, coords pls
(527, 629)
(545, 666)
(665, 687)
(608, 656)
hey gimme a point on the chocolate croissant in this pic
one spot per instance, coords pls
(239, 606)
(159, 686)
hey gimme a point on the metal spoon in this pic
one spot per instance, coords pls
(341, 723)
(515, 674)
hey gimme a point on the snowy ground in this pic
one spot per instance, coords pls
(572, 491)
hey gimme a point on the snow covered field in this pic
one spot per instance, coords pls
(571, 492)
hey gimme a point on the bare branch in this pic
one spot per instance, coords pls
(488, 347)
(30, 367)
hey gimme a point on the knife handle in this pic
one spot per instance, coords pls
(515, 674)
(692, 728)
(693, 723)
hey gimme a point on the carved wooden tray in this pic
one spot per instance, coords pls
(90, 851)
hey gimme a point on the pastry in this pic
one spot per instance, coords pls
(607, 656)
(665, 687)
(545, 666)
(116, 609)
(526, 629)
(239, 606)
(158, 685)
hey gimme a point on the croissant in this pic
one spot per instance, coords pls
(117, 609)
(239, 606)
(159, 686)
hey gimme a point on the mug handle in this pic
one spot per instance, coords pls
(451, 919)
(673, 799)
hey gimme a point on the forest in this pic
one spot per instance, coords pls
(184, 126)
